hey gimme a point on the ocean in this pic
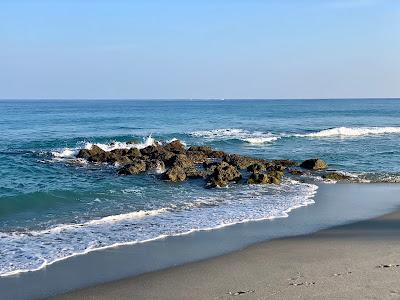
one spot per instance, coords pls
(54, 206)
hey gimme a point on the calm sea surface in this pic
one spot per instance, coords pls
(53, 206)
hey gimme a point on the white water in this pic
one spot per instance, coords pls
(352, 132)
(256, 137)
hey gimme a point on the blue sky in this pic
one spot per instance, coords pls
(199, 49)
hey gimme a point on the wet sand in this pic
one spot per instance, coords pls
(355, 261)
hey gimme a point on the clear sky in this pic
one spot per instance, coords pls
(199, 49)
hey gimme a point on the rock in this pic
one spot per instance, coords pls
(175, 174)
(167, 157)
(92, 152)
(135, 167)
(149, 150)
(274, 177)
(314, 164)
(197, 157)
(115, 158)
(133, 153)
(296, 172)
(242, 162)
(204, 149)
(181, 160)
(193, 172)
(175, 147)
(223, 173)
(336, 176)
(84, 153)
(155, 165)
(256, 168)
(120, 152)
(285, 162)
(217, 154)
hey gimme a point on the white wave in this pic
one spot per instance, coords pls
(149, 141)
(70, 153)
(261, 140)
(175, 139)
(214, 209)
(65, 153)
(352, 132)
(255, 137)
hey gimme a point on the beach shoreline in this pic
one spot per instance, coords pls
(334, 204)
(360, 260)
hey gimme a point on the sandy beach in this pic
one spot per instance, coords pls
(355, 261)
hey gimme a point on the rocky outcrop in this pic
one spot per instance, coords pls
(219, 169)
(314, 164)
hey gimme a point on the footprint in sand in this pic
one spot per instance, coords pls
(342, 274)
(387, 266)
(238, 293)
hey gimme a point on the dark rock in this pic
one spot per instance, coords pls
(120, 152)
(256, 168)
(133, 153)
(149, 150)
(155, 165)
(175, 174)
(336, 176)
(217, 154)
(296, 172)
(115, 158)
(84, 153)
(193, 172)
(285, 162)
(197, 157)
(95, 154)
(135, 167)
(223, 173)
(314, 164)
(204, 149)
(175, 147)
(181, 160)
(242, 162)
(274, 177)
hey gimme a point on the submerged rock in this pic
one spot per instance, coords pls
(314, 164)
(336, 176)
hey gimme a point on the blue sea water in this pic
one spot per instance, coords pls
(53, 206)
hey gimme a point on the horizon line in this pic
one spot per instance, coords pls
(193, 99)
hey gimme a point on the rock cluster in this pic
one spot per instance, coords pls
(177, 163)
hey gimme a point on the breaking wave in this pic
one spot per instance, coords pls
(352, 132)
(256, 137)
